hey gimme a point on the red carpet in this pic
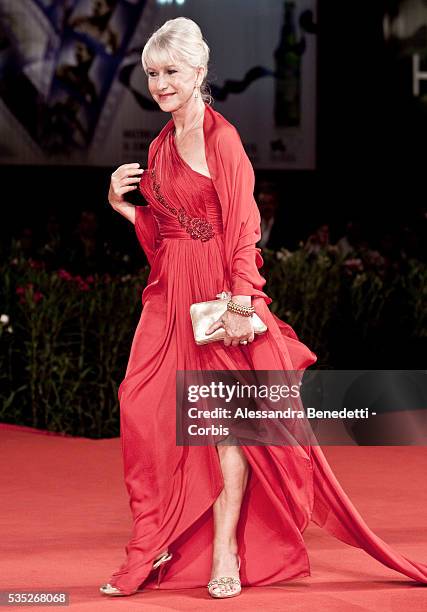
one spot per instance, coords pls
(66, 520)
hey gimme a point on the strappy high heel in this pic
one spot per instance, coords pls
(160, 563)
(112, 591)
(228, 586)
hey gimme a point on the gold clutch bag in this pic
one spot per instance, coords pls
(203, 314)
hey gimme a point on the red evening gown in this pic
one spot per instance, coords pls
(172, 488)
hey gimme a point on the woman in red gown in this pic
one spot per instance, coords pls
(206, 512)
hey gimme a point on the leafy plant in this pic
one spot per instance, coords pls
(65, 340)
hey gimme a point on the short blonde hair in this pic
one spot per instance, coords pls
(178, 40)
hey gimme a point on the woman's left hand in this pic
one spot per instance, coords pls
(237, 328)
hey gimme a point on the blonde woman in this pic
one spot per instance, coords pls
(219, 515)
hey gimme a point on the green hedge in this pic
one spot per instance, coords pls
(65, 340)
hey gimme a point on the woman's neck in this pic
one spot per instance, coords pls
(188, 117)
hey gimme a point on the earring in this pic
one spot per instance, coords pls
(196, 95)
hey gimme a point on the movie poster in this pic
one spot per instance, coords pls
(72, 88)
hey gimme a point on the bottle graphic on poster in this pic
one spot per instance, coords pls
(287, 103)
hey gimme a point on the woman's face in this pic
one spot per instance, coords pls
(172, 85)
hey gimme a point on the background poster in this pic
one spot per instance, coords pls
(73, 90)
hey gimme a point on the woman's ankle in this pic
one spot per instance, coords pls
(223, 550)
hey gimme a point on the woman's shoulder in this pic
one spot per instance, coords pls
(157, 140)
(168, 125)
(223, 127)
(225, 139)
(224, 136)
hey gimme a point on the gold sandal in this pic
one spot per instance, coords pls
(112, 591)
(228, 585)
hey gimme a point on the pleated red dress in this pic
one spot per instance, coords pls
(172, 488)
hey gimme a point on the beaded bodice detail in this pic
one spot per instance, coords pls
(183, 201)
(198, 227)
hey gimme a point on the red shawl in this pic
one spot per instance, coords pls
(233, 178)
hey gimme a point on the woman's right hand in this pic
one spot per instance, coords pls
(122, 181)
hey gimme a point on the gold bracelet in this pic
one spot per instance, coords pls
(245, 311)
